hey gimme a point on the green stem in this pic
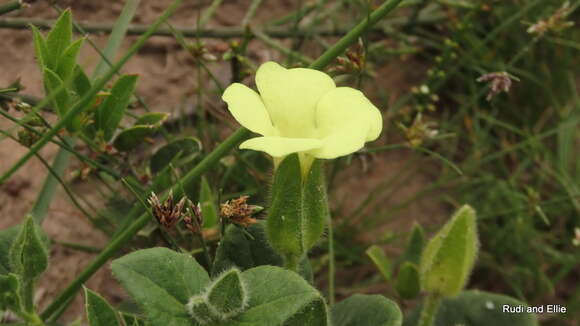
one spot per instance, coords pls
(83, 103)
(10, 6)
(429, 311)
(59, 165)
(127, 234)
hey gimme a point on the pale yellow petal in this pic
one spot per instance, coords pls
(281, 146)
(342, 107)
(291, 95)
(341, 143)
(248, 109)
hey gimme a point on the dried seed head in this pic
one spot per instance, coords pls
(499, 82)
(166, 213)
(238, 212)
(193, 219)
(554, 23)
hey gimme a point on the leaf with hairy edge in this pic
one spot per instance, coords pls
(161, 281)
(99, 312)
(111, 110)
(366, 310)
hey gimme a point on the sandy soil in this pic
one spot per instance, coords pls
(167, 79)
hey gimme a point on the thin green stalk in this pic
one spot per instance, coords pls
(209, 161)
(58, 167)
(83, 103)
(10, 6)
(429, 312)
(208, 13)
(251, 12)
(340, 46)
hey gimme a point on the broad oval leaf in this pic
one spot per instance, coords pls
(130, 138)
(161, 281)
(278, 296)
(366, 310)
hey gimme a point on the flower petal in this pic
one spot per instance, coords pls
(290, 96)
(248, 109)
(346, 119)
(343, 142)
(281, 146)
(345, 106)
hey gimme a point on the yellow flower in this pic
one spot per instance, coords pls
(302, 111)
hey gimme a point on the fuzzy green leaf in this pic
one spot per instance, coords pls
(415, 245)
(130, 138)
(10, 293)
(366, 310)
(28, 254)
(161, 281)
(201, 311)
(449, 257)
(187, 149)
(228, 294)
(278, 296)
(68, 60)
(315, 313)
(7, 237)
(53, 83)
(82, 83)
(377, 255)
(408, 281)
(40, 48)
(99, 312)
(208, 207)
(59, 38)
(248, 248)
(476, 308)
(111, 110)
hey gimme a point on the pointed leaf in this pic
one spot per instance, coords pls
(82, 83)
(40, 48)
(415, 245)
(377, 255)
(54, 84)
(111, 110)
(7, 237)
(449, 257)
(99, 312)
(408, 281)
(130, 138)
(28, 254)
(59, 38)
(161, 281)
(68, 61)
(228, 294)
(366, 310)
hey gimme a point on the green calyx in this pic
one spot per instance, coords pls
(298, 210)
